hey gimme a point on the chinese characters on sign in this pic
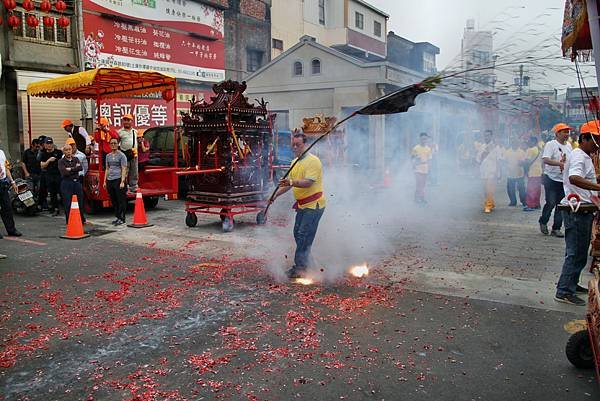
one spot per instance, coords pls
(146, 113)
(187, 16)
(147, 45)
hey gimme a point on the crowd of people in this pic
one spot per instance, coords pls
(563, 166)
(55, 174)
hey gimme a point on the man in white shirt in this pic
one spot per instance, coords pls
(6, 182)
(488, 157)
(579, 182)
(553, 158)
(128, 145)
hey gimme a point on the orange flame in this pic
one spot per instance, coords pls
(359, 271)
(303, 281)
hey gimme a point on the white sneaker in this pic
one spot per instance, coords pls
(2, 256)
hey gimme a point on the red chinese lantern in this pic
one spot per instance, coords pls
(60, 5)
(9, 4)
(48, 21)
(13, 21)
(28, 5)
(32, 21)
(46, 6)
(168, 94)
(63, 22)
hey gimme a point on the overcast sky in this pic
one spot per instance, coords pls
(525, 23)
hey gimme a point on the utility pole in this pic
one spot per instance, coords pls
(521, 80)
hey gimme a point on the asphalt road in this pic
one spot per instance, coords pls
(171, 313)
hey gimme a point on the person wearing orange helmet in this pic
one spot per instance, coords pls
(580, 183)
(79, 134)
(102, 136)
(553, 159)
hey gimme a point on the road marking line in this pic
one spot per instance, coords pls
(25, 241)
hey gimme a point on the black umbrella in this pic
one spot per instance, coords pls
(396, 102)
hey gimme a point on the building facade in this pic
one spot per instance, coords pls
(310, 79)
(353, 27)
(477, 52)
(29, 54)
(419, 57)
(198, 41)
(247, 36)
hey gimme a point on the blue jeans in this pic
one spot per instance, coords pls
(578, 234)
(554, 192)
(519, 183)
(305, 229)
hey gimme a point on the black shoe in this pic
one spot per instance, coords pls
(1, 236)
(55, 213)
(512, 204)
(544, 229)
(557, 233)
(14, 234)
(114, 222)
(119, 222)
(570, 299)
(581, 290)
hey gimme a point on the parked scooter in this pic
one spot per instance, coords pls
(22, 200)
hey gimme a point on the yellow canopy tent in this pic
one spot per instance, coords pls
(102, 83)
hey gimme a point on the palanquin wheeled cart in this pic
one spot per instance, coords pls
(230, 148)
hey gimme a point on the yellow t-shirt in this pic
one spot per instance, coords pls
(421, 156)
(309, 168)
(535, 170)
(513, 158)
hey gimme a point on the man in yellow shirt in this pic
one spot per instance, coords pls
(306, 180)
(421, 156)
(515, 177)
(533, 169)
(574, 139)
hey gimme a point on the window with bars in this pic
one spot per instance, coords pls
(377, 28)
(48, 34)
(359, 20)
(316, 66)
(278, 44)
(253, 60)
(322, 12)
(298, 68)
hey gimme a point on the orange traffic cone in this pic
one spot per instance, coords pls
(139, 213)
(74, 226)
(387, 180)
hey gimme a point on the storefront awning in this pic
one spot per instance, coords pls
(103, 82)
(576, 39)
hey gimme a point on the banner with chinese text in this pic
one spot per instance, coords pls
(188, 16)
(114, 42)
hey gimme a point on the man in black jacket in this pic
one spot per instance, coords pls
(49, 163)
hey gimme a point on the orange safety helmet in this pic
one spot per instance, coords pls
(70, 141)
(104, 121)
(591, 127)
(128, 116)
(561, 127)
(66, 123)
